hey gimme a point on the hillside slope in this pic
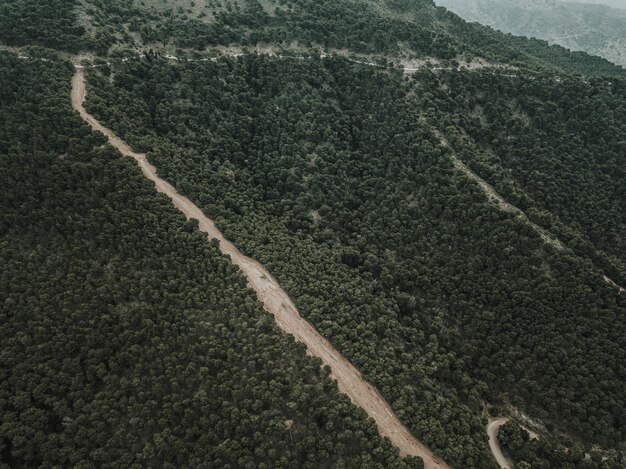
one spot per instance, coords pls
(127, 339)
(277, 302)
(454, 229)
(414, 28)
(596, 29)
(330, 173)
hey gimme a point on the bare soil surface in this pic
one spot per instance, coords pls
(277, 302)
(492, 430)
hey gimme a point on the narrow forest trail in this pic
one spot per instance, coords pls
(504, 205)
(494, 197)
(277, 302)
(492, 430)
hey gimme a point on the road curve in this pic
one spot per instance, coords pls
(277, 302)
(492, 430)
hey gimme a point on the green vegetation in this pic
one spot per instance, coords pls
(51, 23)
(253, 182)
(553, 146)
(522, 51)
(127, 339)
(413, 28)
(596, 29)
(545, 453)
(329, 174)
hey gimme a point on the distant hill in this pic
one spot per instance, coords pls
(594, 28)
(611, 3)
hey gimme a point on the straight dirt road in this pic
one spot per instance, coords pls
(278, 303)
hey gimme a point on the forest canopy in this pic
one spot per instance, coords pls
(127, 339)
(330, 173)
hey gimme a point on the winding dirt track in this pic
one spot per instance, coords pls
(278, 303)
(492, 431)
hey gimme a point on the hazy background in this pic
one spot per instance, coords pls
(592, 26)
(611, 3)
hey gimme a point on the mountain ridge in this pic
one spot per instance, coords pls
(416, 28)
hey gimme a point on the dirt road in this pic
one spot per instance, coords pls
(505, 206)
(278, 303)
(496, 198)
(492, 431)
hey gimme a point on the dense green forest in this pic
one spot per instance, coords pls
(52, 23)
(554, 146)
(127, 339)
(329, 173)
(543, 452)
